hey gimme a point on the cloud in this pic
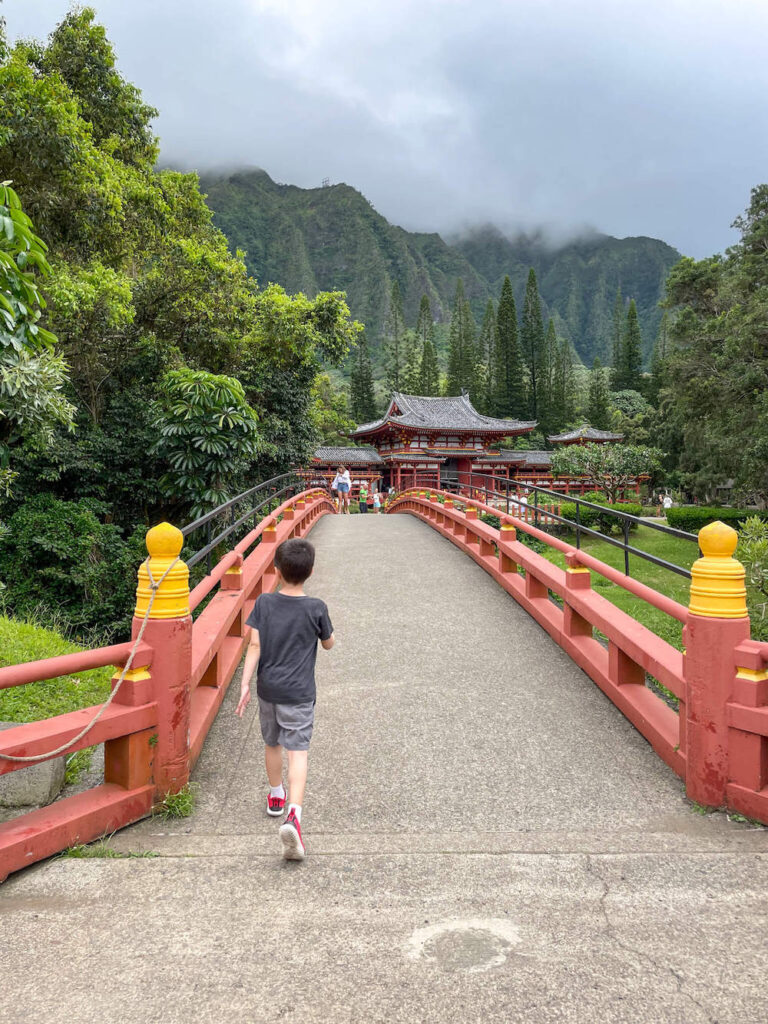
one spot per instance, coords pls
(635, 117)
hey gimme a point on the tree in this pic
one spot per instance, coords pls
(208, 435)
(563, 388)
(394, 340)
(628, 377)
(486, 354)
(599, 407)
(362, 394)
(532, 341)
(547, 413)
(32, 375)
(617, 334)
(607, 467)
(462, 354)
(411, 374)
(509, 393)
(716, 395)
(429, 370)
(329, 412)
(661, 350)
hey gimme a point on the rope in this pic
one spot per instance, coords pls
(126, 668)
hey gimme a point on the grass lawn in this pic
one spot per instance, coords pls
(22, 641)
(672, 549)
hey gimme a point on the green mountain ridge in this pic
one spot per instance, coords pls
(331, 238)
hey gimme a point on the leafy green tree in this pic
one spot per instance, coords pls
(208, 434)
(563, 388)
(425, 325)
(532, 341)
(599, 404)
(547, 412)
(362, 394)
(509, 390)
(411, 363)
(716, 395)
(394, 341)
(462, 353)
(610, 468)
(330, 412)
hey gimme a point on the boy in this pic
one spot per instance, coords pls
(285, 628)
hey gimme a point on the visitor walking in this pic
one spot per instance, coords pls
(363, 498)
(285, 628)
(376, 502)
(343, 484)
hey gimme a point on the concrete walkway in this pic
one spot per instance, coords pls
(489, 840)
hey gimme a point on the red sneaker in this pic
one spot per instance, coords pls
(276, 804)
(290, 837)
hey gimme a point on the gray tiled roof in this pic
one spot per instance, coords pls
(537, 460)
(344, 456)
(454, 413)
(586, 433)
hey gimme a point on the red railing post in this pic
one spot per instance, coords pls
(717, 624)
(169, 634)
(577, 577)
(507, 533)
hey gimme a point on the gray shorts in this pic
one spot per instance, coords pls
(287, 725)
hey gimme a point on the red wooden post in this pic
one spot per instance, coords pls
(577, 577)
(507, 533)
(717, 624)
(169, 634)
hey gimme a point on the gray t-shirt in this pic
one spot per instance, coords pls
(289, 628)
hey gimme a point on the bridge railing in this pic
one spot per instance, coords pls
(156, 720)
(718, 740)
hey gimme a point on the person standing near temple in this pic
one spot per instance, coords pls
(343, 484)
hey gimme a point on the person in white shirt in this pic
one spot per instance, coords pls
(343, 484)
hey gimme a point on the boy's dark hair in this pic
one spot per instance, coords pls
(295, 559)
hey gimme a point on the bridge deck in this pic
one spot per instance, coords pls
(488, 838)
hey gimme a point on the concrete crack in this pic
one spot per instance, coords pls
(659, 965)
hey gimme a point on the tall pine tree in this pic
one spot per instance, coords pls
(599, 404)
(617, 334)
(394, 340)
(361, 392)
(462, 356)
(429, 371)
(411, 363)
(629, 377)
(508, 384)
(486, 354)
(546, 382)
(532, 340)
(659, 361)
(563, 408)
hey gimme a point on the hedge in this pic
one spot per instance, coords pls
(604, 522)
(692, 517)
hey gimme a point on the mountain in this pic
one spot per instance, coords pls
(331, 238)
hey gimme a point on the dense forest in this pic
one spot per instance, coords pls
(146, 373)
(331, 237)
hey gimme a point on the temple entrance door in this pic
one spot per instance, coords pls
(449, 474)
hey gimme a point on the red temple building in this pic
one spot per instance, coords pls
(436, 441)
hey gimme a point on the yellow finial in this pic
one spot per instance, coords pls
(717, 578)
(164, 543)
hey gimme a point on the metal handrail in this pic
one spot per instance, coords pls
(626, 518)
(294, 483)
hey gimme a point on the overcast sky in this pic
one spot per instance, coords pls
(635, 117)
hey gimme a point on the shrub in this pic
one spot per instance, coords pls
(605, 522)
(491, 520)
(57, 558)
(693, 517)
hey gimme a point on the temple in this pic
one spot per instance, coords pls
(435, 442)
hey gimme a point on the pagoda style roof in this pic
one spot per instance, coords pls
(536, 460)
(455, 413)
(584, 433)
(348, 456)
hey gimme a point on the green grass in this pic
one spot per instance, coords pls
(672, 549)
(177, 805)
(102, 849)
(27, 641)
(24, 641)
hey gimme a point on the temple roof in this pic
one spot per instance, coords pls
(345, 456)
(585, 433)
(536, 459)
(454, 413)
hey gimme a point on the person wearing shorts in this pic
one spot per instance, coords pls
(285, 629)
(343, 484)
